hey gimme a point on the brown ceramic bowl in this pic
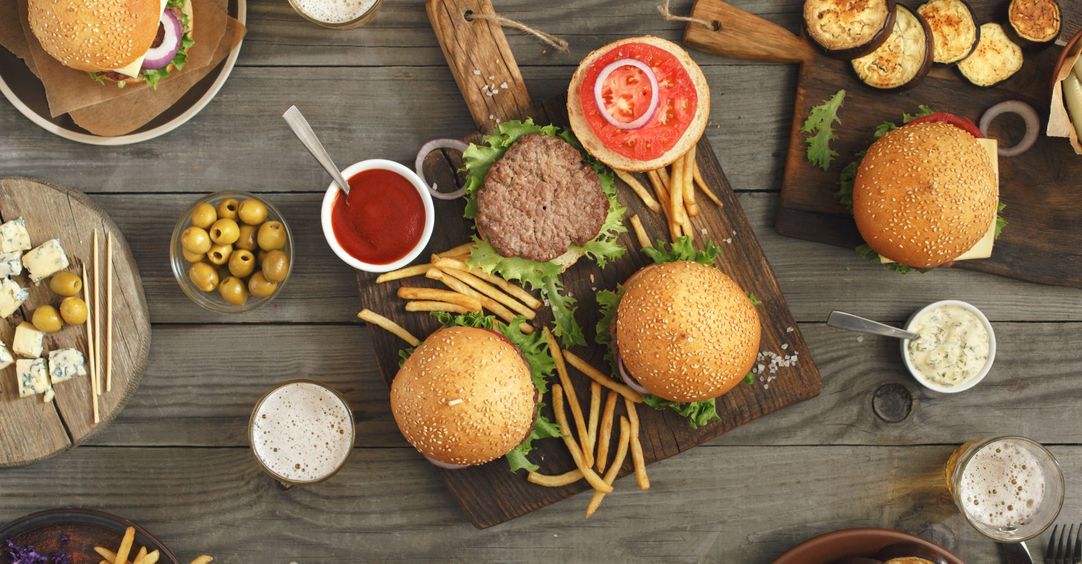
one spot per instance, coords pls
(78, 531)
(855, 543)
(1063, 59)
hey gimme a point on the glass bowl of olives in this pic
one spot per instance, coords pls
(231, 252)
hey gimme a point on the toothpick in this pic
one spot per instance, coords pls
(108, 312)
(97, 309)
(90, 352)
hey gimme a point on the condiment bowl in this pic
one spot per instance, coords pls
(333, 192)
(935, 386)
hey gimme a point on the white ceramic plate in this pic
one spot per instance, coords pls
(29, 98)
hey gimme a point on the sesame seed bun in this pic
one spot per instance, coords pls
(924, 194)
(94, 36)
(686, 331)
(464, 396)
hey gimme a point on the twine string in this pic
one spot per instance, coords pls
(547, 38)
(666, 13)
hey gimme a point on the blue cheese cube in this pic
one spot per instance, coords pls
(11, 264)
(32, 377)
(29, 342)
(12, 297)
(44, 261)
(66, 364)
(6, 359)
(13, 236)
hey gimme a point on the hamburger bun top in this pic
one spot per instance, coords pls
(94, 35)
(925, 194)
(464, 396)
(686, 331)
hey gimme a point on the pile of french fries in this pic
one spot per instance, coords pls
(142, 556)
(591, 449)
(675, 189)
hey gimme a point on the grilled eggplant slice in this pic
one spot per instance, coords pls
(995, 59)
(903, 59)
(846, 29)
(954, 29)
(1034, 23)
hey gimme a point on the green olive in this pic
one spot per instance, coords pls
(204, 215)
(252, 211)
(73, 310)
(246, 240)
(227, 208)
(224, 232)
(275, 266)
(195, 239)
(204, 276)
(192, 257)
(271, 236)
(65, 284)
(233, 291)
(242, 263)
(219, 254)
(46, 319)
(260, 287)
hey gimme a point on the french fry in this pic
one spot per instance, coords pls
(203, 559)
(557, 481)
(468, 302)
(617, 463)
(676, 189)
(588, 474)
(408, 272)
(596, 375)
(486, 302)
(486, 288)
(572, 399)
(636, 447)
(663, 197)
(516, 292)
(152, 557)
(105, 553)
(459, 251)
(369, 316)
(125, 546)
(689, 187)
(639, 189)
(595, 412)
(640, 232)
(425, 305)
(705, 189)
(663, 174)
(602, 457)
(139, 556)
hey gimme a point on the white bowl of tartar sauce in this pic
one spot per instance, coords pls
(956, 348)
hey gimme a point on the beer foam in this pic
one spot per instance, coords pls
(302, 432)
(1002, 486)
(334, 11)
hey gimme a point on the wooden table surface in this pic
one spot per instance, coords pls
(177, 459)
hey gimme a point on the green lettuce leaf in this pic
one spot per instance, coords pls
(820, 124)
(867, 252)
(543, 428)
(607, 301)
(697, 413)
(682, 250)
(1001, 222)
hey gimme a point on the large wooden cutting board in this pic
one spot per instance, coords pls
(31, 429)
(1043, 241)
(491, 494)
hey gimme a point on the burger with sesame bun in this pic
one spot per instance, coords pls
(470, 393)
(119, 41)
(681, 332)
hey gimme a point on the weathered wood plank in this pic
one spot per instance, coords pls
(750, 504)
(202, 382)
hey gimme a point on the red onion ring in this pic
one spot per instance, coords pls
(600, 100)
(418, 165)
(444, 465)
(162, 55)
(631, 382)
(1023, 110)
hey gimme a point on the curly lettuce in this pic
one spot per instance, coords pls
(535, 275)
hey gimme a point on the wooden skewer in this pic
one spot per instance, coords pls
(97, 312)
(108, 312)
(90, 354)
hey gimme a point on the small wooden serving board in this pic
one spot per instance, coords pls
(31, 429)
(1043, 240)
(491, 494)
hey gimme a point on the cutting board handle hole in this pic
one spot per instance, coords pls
(468, 15)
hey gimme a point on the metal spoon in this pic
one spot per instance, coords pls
(850, 322)
(304, 132)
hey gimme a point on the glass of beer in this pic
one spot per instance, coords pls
(1009, 488)
(301, 432)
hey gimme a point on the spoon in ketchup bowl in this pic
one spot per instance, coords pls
(308, 138)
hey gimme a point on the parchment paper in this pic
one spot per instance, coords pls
(1059, 121)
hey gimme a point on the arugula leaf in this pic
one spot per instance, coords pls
(698, 413)
(682, 250)
(1001, 222)
(820, 123)
(749, 378)
(755, 301)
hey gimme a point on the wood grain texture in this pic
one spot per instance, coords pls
(739, 34)
(55, 212)
(1040, 244)
(729, 504)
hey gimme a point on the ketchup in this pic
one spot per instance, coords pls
(383, 219)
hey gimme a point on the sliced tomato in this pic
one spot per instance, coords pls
(626, 98)
(965, 124)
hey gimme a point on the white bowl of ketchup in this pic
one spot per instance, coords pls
(385, 221)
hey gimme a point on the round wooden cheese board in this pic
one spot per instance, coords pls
(32, 429)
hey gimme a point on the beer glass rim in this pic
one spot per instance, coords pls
(967, 456)
(251, 427)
